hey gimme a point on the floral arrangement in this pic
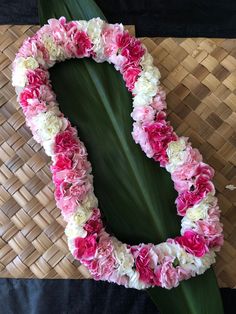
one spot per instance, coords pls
(138, 266)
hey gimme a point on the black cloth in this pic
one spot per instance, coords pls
(36, 296)
(182, 18)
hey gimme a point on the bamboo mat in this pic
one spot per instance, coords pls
(199, 76)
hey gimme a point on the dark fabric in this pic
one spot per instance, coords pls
(182, 18)
(34, 296)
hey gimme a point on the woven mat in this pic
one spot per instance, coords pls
(199, 76)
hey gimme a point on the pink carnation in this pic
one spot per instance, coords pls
(83, 44)
(167, 274)
(109, 34)
(103, 266)
(142, 262)
(185, 200)
(62, 162)
(159, 102)
(143, 113)
(212, 230)
(94, 224)
(141, 137)
(200, 188)
(85, 248)
(160, 134)
(35, 108)
(66, 141)
(130, 76)
(131, 48)
(193, 243)
(29, 92)
(37, 77)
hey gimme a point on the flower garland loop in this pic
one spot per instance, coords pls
(139, 266)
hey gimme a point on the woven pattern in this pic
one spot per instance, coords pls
(199, 76)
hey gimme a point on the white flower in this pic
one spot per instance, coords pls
(90, 201)
(82, 215)
(94, 30)
(203, 263)
(48, 125)
(55, 51)
(152, 74)
(82, 25)
(186, 224)
(198, 211)
(135, 282)
(144, 90)
(123, 257)
(76, 223)
(73, 230)
(20, 67)
(146, 60)
(49, 147)
(176, 153)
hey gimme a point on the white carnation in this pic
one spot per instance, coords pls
(186, 224)
(81, 215)
(135, 282)
(152, 74)
(198, 211)
(176, 154)
(123, 257)
(21, 65)
(94, 30)
(144, 90)
(48, 125)
(55, 51)
(204, 262)
(90, 201)
(49, 147)
(146, 60)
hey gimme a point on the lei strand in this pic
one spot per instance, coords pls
(138, 266)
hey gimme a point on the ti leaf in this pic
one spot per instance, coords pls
(135, 195)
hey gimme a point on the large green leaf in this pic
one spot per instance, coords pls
(135, 195)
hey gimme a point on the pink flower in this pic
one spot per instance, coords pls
(193, 243)
(34, 108)
(212, 230)
(143, 113)
(83, 44)
(66, 141)
(203, 185)
(62, 162)
(160, 134)
(198, 190)
(85, 248)
(142, 262)
(131, 48)
(79, 44)
(185, 200)
(103, 266)
(94, 224)
(168, 274)
(141, 137)
(57, 27)
(37, 77)
(29, 92)
(109, 34)
(159, 102)
(130, 76)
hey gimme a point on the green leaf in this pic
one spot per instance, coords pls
(135, 195)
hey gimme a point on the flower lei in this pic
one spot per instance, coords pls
(139, 266)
